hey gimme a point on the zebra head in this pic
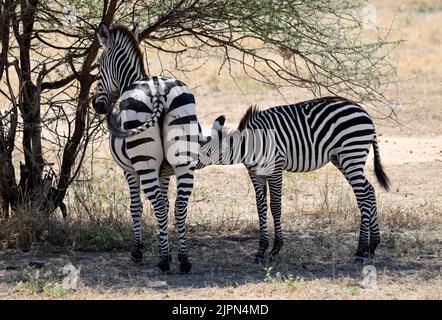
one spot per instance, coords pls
(209, 147)
(223, 146)
(120, 64)
(227, 146)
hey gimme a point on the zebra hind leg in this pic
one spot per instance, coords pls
(136, 210)
(375, 237)
(151, 187)
(164, 186)
(364, 192)
(260, 186)
(184, 176)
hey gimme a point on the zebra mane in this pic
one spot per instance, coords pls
(119, 28)
(247, 117)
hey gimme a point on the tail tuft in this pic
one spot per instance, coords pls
(381, 176)
(113, 123)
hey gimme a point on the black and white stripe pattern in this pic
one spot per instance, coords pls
(154, 153)
(304, 137)
(156, 134)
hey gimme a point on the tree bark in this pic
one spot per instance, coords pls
(8, 7)
(86, 80)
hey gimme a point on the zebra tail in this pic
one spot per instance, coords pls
(114, 128)
(381, 176)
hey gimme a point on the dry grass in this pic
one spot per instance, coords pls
(320, 215)
(320, 227)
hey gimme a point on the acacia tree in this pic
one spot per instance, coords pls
(47, 68)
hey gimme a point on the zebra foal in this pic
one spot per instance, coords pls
(299, 138)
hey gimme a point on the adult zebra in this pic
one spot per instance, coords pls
(299, 138)
(148, 154)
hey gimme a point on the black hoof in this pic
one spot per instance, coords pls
(359, 259)
(185, 266)
(163, 266)
(140, 246)
(259, 260)
(273, 257)
(274, 253)
(136, 256)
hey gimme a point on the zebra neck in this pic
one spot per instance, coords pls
(125, 81)
(132, 70)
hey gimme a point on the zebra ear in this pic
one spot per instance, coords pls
(136, 32)
(217, 127)
(104, 36)
(219, 123)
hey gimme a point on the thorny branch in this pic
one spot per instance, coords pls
(317, 45)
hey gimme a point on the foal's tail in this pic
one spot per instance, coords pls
(381, 176)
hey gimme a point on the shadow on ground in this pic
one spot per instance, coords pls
(227, 261)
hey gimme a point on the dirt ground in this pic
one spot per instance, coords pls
(320, 217)
(316, 261)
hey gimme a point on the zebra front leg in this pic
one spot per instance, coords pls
(275, 187)
(151, 187)
(184, 190)
(136, 210)
(260, 186)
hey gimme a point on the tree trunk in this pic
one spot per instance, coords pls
(86, 80)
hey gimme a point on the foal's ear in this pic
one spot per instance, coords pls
(219, 123)
(217, 128)
(104, 36)
(136, 32)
